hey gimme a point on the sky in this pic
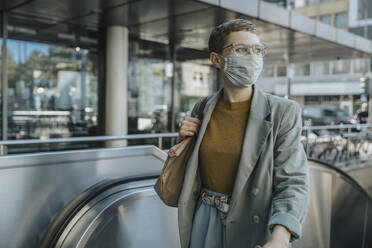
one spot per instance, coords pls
(21, 50)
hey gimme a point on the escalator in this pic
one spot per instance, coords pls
(127, 213)
(340, 213)
(67, 199)
(115, 213)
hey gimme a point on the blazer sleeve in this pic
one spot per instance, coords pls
(193, 114)
(291, 189)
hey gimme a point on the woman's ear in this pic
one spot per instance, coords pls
(217, 60)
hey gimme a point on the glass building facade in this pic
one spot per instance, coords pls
(151, 75)
(52, 90)
(56, 81)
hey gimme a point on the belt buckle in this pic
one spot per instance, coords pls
(223, 204)
(220, 202)
(225, 207)
(207, 199)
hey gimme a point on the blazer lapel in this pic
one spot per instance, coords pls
(257, 130)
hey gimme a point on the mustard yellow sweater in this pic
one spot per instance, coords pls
(220, 149)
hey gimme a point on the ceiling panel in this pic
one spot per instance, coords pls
(188, 23)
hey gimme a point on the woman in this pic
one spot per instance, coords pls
(246, 182)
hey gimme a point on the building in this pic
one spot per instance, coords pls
(335, 82)
(119, 67)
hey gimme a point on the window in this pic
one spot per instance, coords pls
(341, 20)
(341, 113)
(312, 99)
(325, 1)
(299, 3)
(360, 65)
(268, 71)
(282, 71)
(312, 2)
(341, 67)
(329, 113)
(302, 70)
(309, 111)
(326, 19)
(320, 68)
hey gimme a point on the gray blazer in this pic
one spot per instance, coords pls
(272, 182)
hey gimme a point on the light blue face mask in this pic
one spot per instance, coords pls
(243, 70)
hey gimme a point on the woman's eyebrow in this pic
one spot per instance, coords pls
(255, 43)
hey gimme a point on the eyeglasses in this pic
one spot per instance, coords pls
(244, 49)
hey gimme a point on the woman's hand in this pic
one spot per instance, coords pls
(279, 238)
(189, 127)
(275, 244)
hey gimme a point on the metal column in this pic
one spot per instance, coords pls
(4, 81)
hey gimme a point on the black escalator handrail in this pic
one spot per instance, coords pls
(58, 225)
(351, 180)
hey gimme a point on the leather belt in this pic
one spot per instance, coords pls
(222, 203)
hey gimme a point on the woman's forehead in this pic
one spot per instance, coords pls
(242, 37)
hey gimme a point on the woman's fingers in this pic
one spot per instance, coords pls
(188, 131)
(191, 119)
(189, 127)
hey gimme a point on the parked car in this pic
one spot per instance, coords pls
(326, 115)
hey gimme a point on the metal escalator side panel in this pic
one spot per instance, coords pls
(128, 219)
(339, 214)
(62, 220)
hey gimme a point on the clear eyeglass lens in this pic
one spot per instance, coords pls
(243, 49)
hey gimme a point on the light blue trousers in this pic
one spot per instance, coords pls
(207, 229)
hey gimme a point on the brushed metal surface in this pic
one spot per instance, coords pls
(126, 218)
(368, 230)
(348, 213)
(317, 225)
(36, 187)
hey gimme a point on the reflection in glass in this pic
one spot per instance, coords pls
(149, 95)
(1, 89)
(198, 79)
(150, 75)
(52, 90)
